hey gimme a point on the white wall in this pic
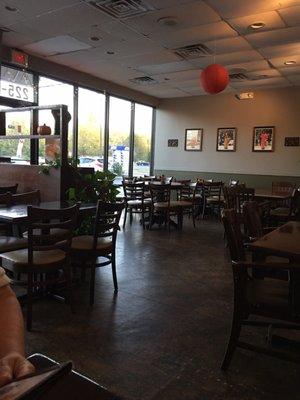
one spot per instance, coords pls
(279, 107)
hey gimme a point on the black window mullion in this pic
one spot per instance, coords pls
(152, 141)
(75, 123)
(106, 132)
(131, 139)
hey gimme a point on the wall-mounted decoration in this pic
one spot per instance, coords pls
(263, 138)
(292, 141)
(172, 142)
(193, 139)
(226, 139)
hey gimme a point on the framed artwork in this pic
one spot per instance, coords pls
(193, 139)
(226, 139)
(172, 142)
(292, 141)
(263, 138)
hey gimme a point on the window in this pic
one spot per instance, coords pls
(119, 136)
(91, 117)
(142, 140)
(53, 92)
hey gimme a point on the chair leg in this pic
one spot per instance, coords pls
(125, 217)
(233, 339)
(69, 297)
(130, 216)
(92, 284)
(114, 271)
(29, 301)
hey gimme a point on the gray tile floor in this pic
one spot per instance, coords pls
(163, 335)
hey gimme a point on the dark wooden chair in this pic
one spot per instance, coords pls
(136, 201)
(44, 256)
(86, 249)
(286, 211)
(268, 298)
(283, 187)
(162, 207)
(29, 198)
(212, 197)
(9, 189)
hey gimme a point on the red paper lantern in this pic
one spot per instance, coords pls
(214, 78)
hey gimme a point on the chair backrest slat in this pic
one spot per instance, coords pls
(9, 189)
(30, 198)
(6, 199)
(160, 193)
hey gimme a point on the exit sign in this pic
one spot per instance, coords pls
(19, 58)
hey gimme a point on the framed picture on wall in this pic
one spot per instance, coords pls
(193, 139)
(263, 138)
(226, 139)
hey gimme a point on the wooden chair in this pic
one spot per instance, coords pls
(162, 207)
(287, 211)
(268, 298)
(44, 256)
(86, 249)
(212, 197)
(29, 198)
(136, 201)
(9, 189)
(283, 187)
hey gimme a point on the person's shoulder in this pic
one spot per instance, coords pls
(4, 280)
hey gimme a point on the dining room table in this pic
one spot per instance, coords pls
(268, 194)
(16, 215)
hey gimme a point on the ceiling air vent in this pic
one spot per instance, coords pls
(238, 77)
(193, 51)
(144, 80)
(122, 9)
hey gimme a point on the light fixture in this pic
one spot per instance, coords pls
(245, 96)
(167, 21)
(12, 9)
(110, 52)
(257, 25)
(290, 62)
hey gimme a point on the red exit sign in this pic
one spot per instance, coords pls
(19, 58)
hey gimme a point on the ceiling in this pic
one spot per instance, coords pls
(135, 39)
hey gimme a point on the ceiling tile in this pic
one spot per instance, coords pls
(21, 35)
(228, 59)
(187, 16)
(228, 45)
(278, 62)
(32, 8)
(67, 20)
(179, 76)
(276, 37)
(281, 50)
(260, 82)
(291, 15)
(161, 4)
(160, 57)
(56, 45)
(271, 20)
(165, 68)
(295, 79)
(240, 8)
(197, 34)
(249, 66)
(289, 70)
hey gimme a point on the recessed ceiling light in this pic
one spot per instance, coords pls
(94, 38)
(290, 62)
(257, 25)
(167, 79)
(167, 21)
(110, 52)
(12, 9)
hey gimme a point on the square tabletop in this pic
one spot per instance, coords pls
(283, 241)
(18, 213)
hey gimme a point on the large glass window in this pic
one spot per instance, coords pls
(142, 140)
(18, 150)
(91, 121)
(119, 136)
(53, 92)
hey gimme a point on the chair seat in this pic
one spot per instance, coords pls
(10, 243)
(85, 242)
(173, 204)
(214, 199)
(136, 203)
(280, 212)
(270, 293)
(19, 258)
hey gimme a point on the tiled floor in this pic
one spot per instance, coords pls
(164, 334)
